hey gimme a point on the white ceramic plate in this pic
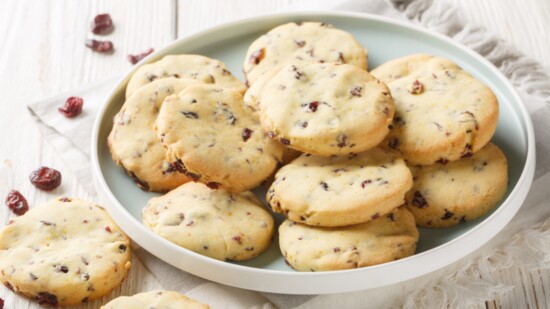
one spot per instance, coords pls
(385, 39)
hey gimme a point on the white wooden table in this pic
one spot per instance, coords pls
(42, 53)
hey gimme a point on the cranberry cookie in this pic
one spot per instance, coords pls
(442, 113)
(459, 191)
(210, 136)
(388, 238)
(340, 190)
(305, 42)
(65, 252)
(201, 68)
(214, 223)
(156, 300)
(326, 109)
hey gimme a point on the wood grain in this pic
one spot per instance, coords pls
(43, 53)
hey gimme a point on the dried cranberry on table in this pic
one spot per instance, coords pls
(45, 178)
(137, 58)
(1, 303)
(100, 46)
(17, 203)
(102, 24)
(72, 107)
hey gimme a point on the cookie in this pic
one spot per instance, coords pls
(340, 190)
(326, 109)
(201, 68)
(155, 299)
(215, 223)
(388, 238)
(442, 113)
(210, 136)
(459, 191)
(133, 142)
(65, 252)
(305, 42)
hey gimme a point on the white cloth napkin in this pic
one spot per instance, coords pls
(523, 243)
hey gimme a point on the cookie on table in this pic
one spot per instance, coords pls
(340, 190)
(391, 237)
(304, 42)
(209, 135)
(442, 113)
(201, 68)
(133, 142)
(459, 191)
(155, 299)
(215, 223)
(326, 109)
(65, 252)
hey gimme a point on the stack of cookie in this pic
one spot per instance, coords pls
(342, 196)
(363, 157)
(443, 125)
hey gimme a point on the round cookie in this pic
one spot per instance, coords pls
(326, 109)
(133, 142)
(388, 238)
(214, 223)
(340, 190)
(65, 252)
(441, 112)
(459, 191)
(201, 68)
(305, 42)
(210, 136)
(155, 299)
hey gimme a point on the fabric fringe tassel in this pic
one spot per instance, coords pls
(475, 282)
(444, 17)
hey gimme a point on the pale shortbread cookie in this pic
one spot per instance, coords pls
(214, 223)
(133, 142)
(459, 191)
(326, 109)
(307, 42)
(201, 68)
(388, 238)
(442, 113)
(210, 136)
(156, 300)
(65, 252)
(340, 190)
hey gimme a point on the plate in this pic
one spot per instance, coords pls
(385, 39)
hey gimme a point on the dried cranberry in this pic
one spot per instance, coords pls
(102, 24)
(416, 87)
(136, 58)
(313, 106)
(100, 46)
(257, 56)
(1, 303)
(246, 134)
(17, 202)
(45, 298)
(213, 185)
(419, 200)
(72, 107)
(45, 178)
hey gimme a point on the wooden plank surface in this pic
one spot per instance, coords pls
(43, 53)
